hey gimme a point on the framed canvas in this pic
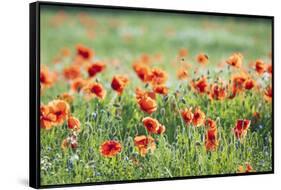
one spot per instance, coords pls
(122, 94)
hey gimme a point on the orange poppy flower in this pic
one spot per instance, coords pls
(152, 125)
(260, 66)
(182, 73)
(47, 78)
(240, 130)
(187, 115)
(77, 84)
(269, 68)
(158, 76)
(119, 82)
(217, 92)
(202, 58)
(147, 104)
(60, 109)
(95, 68)
(161, 89)
(235, 60)
(201, 85)
(140, 93)
(183, 52)
(47, 118)
(94, 89)
(73, 123)
(143, 71)
(71, 72)
(210, 124)
(161, 129)
(110, 148)
(66, 97)
(211, 141)
(146, 101)
(247, 169)
(249, 84)
(238, 82)
(268, 94)
(198, 117)
(144, 144)
(84, 52)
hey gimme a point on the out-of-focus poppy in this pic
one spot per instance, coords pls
(235, 60)
(119, 82)
(95, 68)
(84, 52)
(260, 66)
(201, 85)
(94, 89)
(161, 89)
(268, 93)
(202, 58)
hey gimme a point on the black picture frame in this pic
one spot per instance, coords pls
(34, 91)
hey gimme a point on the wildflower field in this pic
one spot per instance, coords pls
(140, 95)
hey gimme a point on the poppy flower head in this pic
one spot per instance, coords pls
(268, 93)
(77, 84)
(66, 97)
(161, 89)
(201, 85)
(238, 82)
(158, 76)
(246, 168)
(183, 52)
(119, 82)
(47, 78)
(182, 73)
(141, 93)
(84, 52)
(73, 123)
(94, 89)
(211, 141)
(60, 109)
(269, 68)
(151, 125)
(210, 124)
(146, 101)
(47, 118)
(110, 148)
(235, 60)
(249, 84)
(95, 68)
(145, 144)
(260, 66)
(240, 130)
(147, 104)
(217, 92)
(202, 58)
(198, 117)
(143, 71)
(71, 72)
(187, 115)
(161, 129)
